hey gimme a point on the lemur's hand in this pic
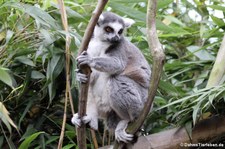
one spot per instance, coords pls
(76, 120)
(84, 59)
(82, 78)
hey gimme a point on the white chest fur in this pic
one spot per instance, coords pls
(99, 89)
(97, 48)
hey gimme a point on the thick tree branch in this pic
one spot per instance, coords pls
(157, 67)
(91, 25)
(81, 131)
(218, 70)
(158, 61)
(178, 138)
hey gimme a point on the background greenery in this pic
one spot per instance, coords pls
(32, 65)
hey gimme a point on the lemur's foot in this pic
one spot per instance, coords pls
(76, 120)
(120, 132)
(93, 122)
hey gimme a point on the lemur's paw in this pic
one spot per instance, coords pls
(120, 132)
(76, 120)
(122, 136)
(83, 59)
(93, 122)
(83, 78)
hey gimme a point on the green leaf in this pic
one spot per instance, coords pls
(163, 3)
(37, 13)
(55, 67)
(25, 144)
(29, 131)
(1, 141)
(218, 21)
(170, 31)
(173, 35)
(68, 146)
(161, 26)
(217, 7)
(197, 109)
(52, 139)
(195, 113)
(202, 30)
(9, 35)
(165, 85)
(138, 15)
(175, 20)
(25, 60)
(201, 53)
(28, 105)
(48, 39)
(5, 77)
(37, 75)
(129, 1)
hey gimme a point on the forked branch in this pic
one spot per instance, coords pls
(157, 67)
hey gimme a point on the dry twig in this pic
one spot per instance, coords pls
(68, 91)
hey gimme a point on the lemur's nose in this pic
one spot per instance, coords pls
(115, 38)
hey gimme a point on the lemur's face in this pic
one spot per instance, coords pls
(110, 27)
(112, 32)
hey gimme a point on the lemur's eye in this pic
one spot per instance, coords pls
(109, 29)
(120, 31)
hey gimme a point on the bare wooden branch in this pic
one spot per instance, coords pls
(81, 131)
(90, 28)
(157, 67)
(178, 138)
(218, 70)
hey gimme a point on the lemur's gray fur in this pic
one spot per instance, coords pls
(119, 80)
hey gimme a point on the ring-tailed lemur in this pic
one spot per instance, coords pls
(119, 80)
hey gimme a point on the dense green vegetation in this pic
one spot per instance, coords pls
(32, 65)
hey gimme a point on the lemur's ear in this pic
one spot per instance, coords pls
(128, 22)
(101, 17)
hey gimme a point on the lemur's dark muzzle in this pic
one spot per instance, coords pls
(115, 39)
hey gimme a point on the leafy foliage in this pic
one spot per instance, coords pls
(32, 65)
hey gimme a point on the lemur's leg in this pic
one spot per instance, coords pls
(91, 118)
(92, 115)
(125, 100)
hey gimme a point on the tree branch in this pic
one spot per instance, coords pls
(90, 28)
(218, 70)
(177, 138)
(81, 131)
(157, 67)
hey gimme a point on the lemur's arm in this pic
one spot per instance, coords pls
(111, 65)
